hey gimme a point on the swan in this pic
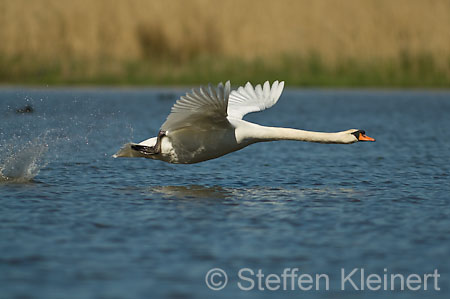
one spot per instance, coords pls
(208, 123)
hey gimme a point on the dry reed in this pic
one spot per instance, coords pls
(96, 37)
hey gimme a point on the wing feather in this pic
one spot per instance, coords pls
(199, 107)
(249, 99)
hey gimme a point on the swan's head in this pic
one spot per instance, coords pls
(360, 135)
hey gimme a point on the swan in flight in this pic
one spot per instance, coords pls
(207, 123)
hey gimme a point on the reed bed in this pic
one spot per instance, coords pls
(321, 42)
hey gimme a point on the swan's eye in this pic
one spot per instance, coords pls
(356, 134)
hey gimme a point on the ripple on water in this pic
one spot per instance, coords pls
(134, 227)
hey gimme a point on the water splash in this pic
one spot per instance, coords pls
(20, 163)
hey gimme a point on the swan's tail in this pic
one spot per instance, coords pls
(135, 150)
(127, 151)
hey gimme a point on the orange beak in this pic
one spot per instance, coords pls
(363, 137)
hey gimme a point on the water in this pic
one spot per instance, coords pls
(76, 223)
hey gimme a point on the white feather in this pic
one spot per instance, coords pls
(247, 99)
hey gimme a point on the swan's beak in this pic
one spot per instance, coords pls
(363, 137)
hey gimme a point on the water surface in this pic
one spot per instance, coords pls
(76, 223)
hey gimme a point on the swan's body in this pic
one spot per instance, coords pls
(207, 123)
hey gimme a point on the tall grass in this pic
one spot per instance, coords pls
(320, 42)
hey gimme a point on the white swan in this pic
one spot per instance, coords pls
(207, 123)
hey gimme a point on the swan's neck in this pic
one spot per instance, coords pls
(261, 133)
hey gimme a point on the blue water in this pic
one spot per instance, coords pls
(76, 223)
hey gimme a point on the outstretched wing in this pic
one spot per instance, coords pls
(200, 106)
(247, 99)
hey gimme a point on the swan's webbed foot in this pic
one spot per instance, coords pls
(150, 150)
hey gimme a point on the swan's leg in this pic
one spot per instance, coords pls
(161, 134)
(150, 150)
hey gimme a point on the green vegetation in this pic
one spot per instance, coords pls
(410, 71)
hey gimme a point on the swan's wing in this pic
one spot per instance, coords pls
(247, 99)
(202, 106)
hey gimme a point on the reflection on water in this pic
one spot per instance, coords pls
(191, 192)
(262, 193)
